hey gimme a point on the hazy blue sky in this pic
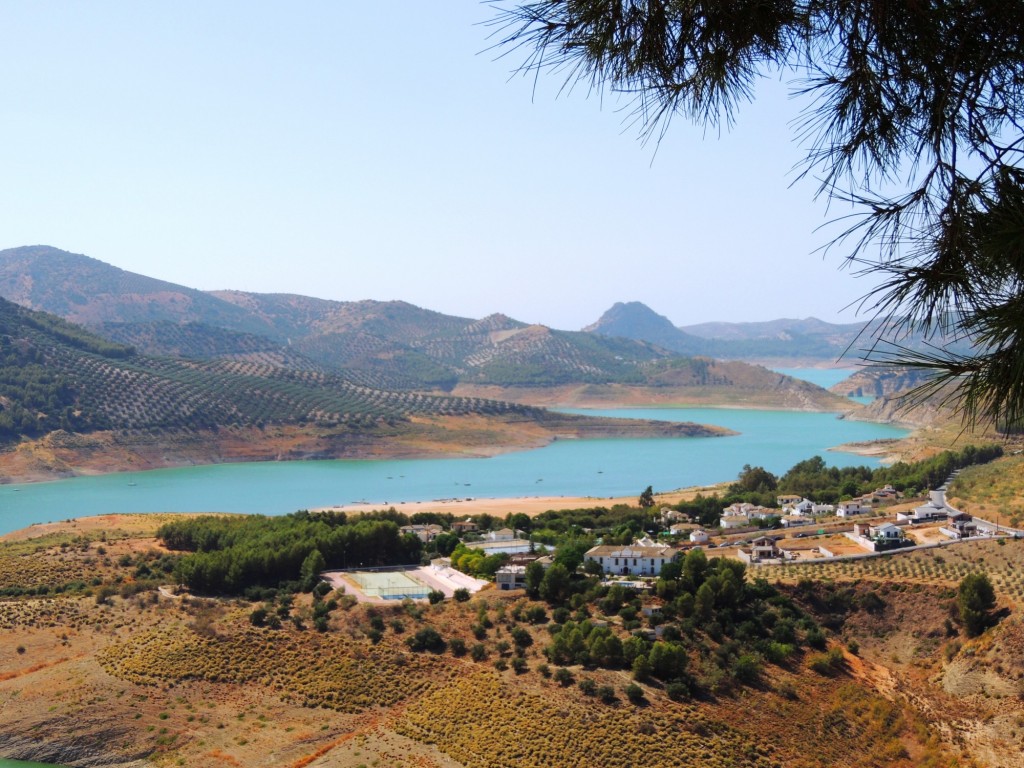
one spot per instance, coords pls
(377, 150)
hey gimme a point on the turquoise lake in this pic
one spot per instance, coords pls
(600, 468)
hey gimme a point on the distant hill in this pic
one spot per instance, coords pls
(782, 329)
(881, 382)
(635, 320)
(785, 341)
(54, 375)
(810, 339)
(89, 292)
(391, 346)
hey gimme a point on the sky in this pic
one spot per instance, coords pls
(385, 151)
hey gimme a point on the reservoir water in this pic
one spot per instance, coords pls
(599, 468)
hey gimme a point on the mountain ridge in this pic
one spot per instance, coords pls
(390, 345)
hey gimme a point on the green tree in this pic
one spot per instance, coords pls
(646, 500)
(914, 116)
(756, 479)
(534, 577)
(571, 555)
(668, 661)
(554, 587)
(312, 566)
(975, 600)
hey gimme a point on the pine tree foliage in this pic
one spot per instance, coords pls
(915, 117)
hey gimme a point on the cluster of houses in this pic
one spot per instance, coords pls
(646, 557)
(504, 541)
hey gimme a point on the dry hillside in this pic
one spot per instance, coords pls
(103, 669)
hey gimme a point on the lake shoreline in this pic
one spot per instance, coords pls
(62, 455)
(528, 505)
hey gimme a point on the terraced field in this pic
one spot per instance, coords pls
(1002, 560)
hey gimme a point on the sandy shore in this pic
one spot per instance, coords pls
(529, 505)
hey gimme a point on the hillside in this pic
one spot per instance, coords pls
(685, 381)
(109, 667)
(384, 345)
(90, 293)
(880, 382)
(61, 386)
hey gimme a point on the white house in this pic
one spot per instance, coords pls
(505, 534)
(850, 508)
(631, 559)
(700, 536)
(510, 577)
(424, 533)
(748, 510)
(734, 521)
(887, 532)
(669, 516)
(764, 548)
(810, 508)
(934, 509)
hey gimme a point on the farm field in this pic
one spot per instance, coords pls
(1002, 560)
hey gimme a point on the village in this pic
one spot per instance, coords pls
(799, 530)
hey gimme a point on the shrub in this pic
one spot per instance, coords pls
(816, 638)
(478, 652)
(457, 646)
(427, 639)
(607, 694)
(435, 596)
(521, 637)
(588, 686)
(678, 691)
(747, 669)
(461, 595)
(563, 677)
(258, 617)
(536, 614)
(826, 663)
(975, 599)
(635, 693)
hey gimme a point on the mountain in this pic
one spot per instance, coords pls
(391, 345)
(809, 340)
(56, 375)
(89, 292)
(782, 329)
(784, 341)
(71, 401)
(634, 320)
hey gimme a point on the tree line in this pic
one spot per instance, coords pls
(231, 555)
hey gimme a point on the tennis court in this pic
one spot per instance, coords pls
(389, 585)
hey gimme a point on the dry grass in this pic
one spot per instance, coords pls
(993, 491)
